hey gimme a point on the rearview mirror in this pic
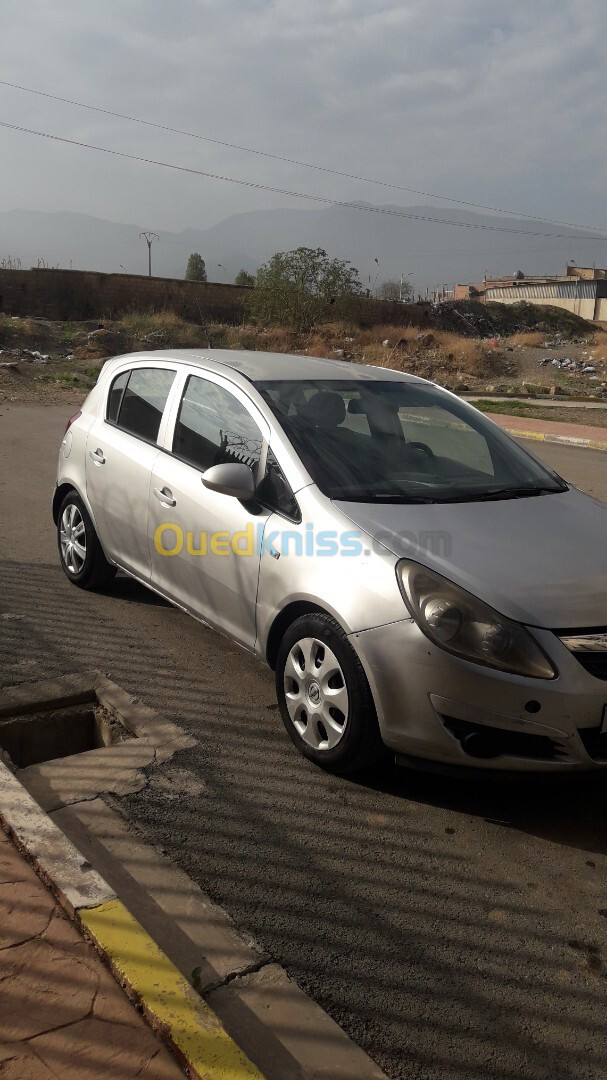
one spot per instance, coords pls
(231, 478)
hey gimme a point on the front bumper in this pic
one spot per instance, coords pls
(429, 701)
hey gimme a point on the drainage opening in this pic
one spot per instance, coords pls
(44, 734)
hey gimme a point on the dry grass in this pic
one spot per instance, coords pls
(598, 347)
(163, 330)
(16, 331)
(436, 353)
(532, 339)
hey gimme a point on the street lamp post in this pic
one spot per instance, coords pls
(376, 276)
(402, 278)
(225, 272)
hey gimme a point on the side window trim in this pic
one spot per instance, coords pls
(267, 503)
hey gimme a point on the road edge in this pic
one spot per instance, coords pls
(545, 436)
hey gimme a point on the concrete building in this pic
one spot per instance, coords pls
(582, 290)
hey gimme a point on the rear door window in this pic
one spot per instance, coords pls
(137, 405)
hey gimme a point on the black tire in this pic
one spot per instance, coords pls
(360, 744)
(91, 571)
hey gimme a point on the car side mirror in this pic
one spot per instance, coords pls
(231, 478)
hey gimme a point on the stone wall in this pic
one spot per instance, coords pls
(76, 295)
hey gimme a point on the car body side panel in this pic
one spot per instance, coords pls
(355, 584)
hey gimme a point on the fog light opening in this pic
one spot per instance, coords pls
(482, 744)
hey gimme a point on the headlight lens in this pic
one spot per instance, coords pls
(463, 625)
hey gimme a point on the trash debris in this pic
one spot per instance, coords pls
(37, 357)
(566, 363)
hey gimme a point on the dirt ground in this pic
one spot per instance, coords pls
(42, 362)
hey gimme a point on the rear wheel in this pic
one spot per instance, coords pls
(324, 697)
(80, 552)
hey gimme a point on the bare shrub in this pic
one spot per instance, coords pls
(531, 340)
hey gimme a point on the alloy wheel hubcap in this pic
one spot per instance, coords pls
(72, 539)
(316, 694)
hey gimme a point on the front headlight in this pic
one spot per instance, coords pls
(463, 625)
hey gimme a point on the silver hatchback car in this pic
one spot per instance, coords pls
(416, 579)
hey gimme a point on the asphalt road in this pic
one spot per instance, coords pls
(455, 930)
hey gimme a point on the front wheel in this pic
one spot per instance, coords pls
(80, 552)
(324, 697)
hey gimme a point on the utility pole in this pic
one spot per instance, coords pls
(149, 238)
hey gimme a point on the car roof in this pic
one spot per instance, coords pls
(261, 366)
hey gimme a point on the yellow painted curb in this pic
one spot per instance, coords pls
(537, 435)
(167, 998)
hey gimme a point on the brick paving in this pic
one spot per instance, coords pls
(62, 1015)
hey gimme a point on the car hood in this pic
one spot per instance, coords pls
(539, 560)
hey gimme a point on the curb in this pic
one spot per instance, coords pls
(171, 1006)
(567, 440)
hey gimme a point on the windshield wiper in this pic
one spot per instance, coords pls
(504, 493)
(396, 497)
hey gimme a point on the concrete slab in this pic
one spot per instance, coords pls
(298, 1040)
(56, 859)
(192, 930)
(116, 769)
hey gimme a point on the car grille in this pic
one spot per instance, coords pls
(594, 663)
(590, 650)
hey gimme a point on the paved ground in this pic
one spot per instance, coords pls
(456, 930)
(61, 1012)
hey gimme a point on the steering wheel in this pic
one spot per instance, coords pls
(425, 449)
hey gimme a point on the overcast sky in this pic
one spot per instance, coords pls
(497, 102)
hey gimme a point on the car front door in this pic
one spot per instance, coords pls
(205, 546)
(120, 453)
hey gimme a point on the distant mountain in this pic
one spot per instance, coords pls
(434, 254)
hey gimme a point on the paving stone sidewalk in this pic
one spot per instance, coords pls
(62, 1015)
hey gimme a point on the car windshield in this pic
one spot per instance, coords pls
(401, 441)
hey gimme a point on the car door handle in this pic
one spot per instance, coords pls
(165, 496)
(97, 456)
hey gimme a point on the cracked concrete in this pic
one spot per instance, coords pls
(117, 769)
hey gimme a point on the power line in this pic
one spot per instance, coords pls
(293, 161)
(295, 194)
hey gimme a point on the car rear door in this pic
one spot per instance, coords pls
(122, 446)
(205, 545)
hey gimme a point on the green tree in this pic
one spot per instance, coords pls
(302, 288)
(195, 270)
(244, 278)
(394, 290)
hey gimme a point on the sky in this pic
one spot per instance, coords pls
(496, 103)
